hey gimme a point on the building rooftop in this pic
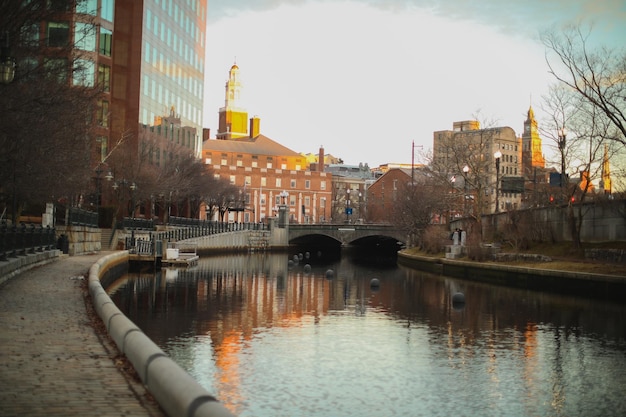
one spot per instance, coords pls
(258, 145)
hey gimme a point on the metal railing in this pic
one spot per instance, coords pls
(75, 216)
(219, 227)
(151, 240)
(20, 240)
(137, 223)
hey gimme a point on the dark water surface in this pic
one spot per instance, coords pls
(273, 340)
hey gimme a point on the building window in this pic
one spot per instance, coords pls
(292, 200)
(207, 161)
(85, 36)
(106, 40)
(103, 113)
(56, 69)
(106, 9)
(269, 164)
(322, 185)
(87, 7)
(232, 179)
(293, 183)
(263, 181)
(84, 73)
(307, 184)
(58, 34)
(323, 202)
(279, 182)
(104, 77)
(248, 180)
(283, 166)
(307, 201)
(224, 162)
(104, 148)
(59, 5)
(239, 163)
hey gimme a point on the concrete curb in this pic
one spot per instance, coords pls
(173, 388)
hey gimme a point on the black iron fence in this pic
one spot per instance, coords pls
(75, 216)
(20, 240)
(137, 224)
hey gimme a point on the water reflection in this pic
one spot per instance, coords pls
(270, 339)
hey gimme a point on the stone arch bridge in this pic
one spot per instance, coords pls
(347, 234)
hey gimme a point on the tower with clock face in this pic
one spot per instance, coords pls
(532, 154)
(233, 120)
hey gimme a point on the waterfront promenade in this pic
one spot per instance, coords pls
(53, 362)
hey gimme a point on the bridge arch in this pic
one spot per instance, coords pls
(345, 235)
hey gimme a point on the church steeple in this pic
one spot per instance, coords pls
(233, 120)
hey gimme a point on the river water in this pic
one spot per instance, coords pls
(268, 337)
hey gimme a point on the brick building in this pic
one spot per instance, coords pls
(262, 169)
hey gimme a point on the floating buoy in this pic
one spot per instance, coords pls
(374, 283)
(458, 298)
(330, 273)
(307, 268)
(296, 260)
(290, 264)
(300, 256)
(307, 255)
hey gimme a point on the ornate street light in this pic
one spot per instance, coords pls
(7, 62)
(497, 155)
(466, 170)
(562, 134)
(347, 204)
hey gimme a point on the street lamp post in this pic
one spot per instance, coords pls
(562, 134)
(347, 205)
(466, 170)
(7, 62)
(108, 176)
(282, 209)
(497, 155)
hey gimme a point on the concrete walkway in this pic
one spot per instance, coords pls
(53, 362)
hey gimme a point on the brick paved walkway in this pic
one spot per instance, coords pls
(52, 360)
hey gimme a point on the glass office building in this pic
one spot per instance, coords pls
(158, 76)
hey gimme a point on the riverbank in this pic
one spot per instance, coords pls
(564, 276)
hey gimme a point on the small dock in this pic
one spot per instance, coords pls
(144, 253)
(180, 255)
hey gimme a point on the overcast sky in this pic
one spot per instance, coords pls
(365, 78)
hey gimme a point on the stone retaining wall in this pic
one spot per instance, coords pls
(82, 239)
(605, 287)
(173, 388)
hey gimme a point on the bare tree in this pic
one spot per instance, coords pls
(45, 128)
(421, 202)
(598, 76)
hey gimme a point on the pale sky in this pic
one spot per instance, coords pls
(366, 78)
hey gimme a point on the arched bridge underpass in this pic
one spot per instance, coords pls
(362, 235)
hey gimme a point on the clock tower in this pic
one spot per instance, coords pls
(532, 155)
(233, 120)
